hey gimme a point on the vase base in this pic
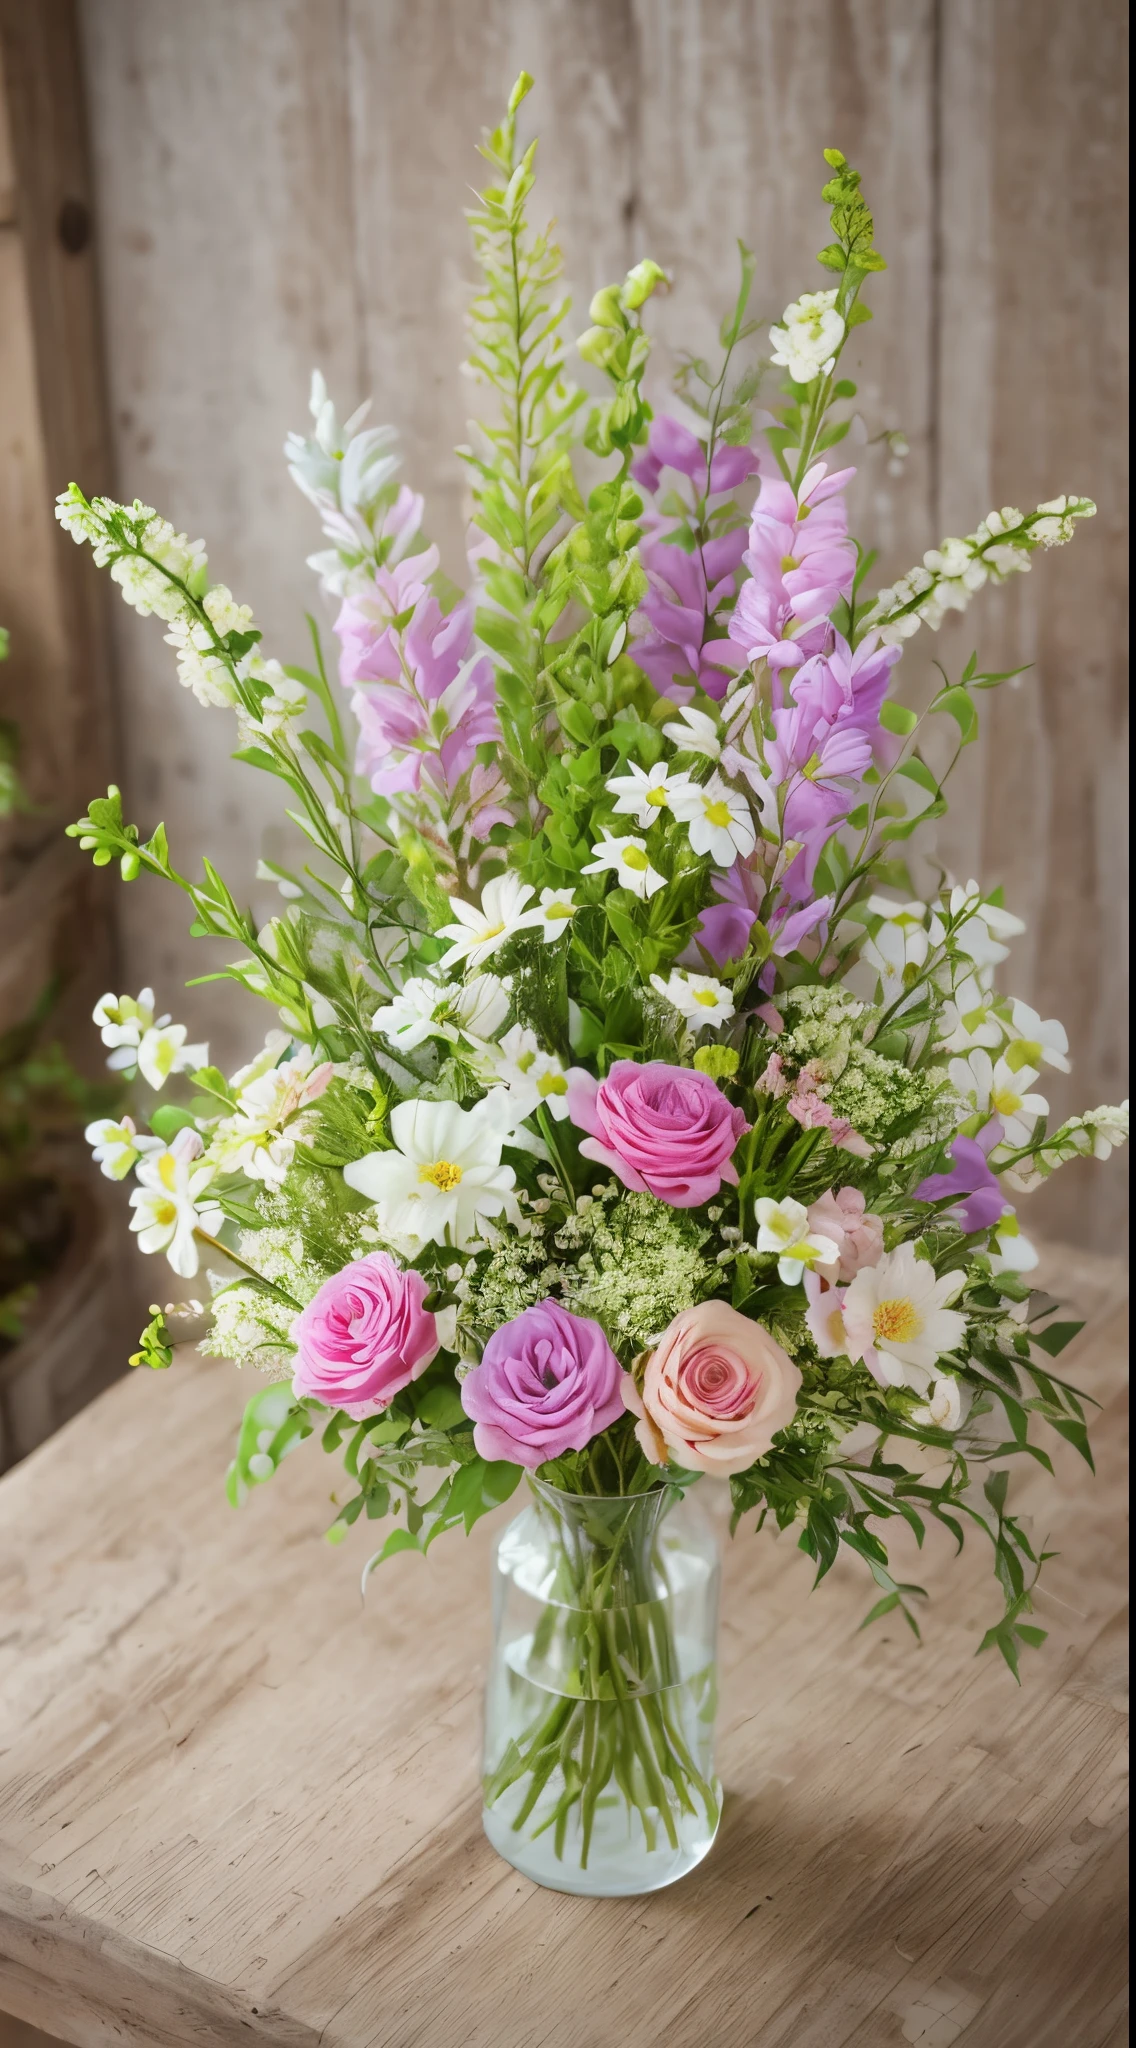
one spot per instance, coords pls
(615, 1870)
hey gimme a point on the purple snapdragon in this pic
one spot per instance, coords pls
(677, 623)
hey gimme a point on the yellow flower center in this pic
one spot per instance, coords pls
(525, 1060)
(788, 562)
(443, 1174)
(1005, 1101)
(706, 997)
(492, 931)
(167, 1169)
(558, 910)
(717, 813)
(896, 1322)
(165, 1212)
(634, 857)
(657, 797)
(552, 1084)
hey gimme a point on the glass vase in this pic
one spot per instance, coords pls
(601, 1701)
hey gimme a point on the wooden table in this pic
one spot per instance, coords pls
(236, 1807)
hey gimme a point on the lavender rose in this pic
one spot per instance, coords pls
(364, 1336)
(548, 1382)
(715, 1392)
(666, 1131)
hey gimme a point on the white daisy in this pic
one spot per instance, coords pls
(643, 794)
(697, 997)
(479, 930)
(557, 909)
(167, 1206)
(783, 1227)
(444, 1175)
(897, 1320)
(628, 858)
(718, 820)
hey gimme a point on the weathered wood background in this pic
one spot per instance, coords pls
(281, 184)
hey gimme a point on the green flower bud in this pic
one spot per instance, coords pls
(605, 308)
(595, 346)
(639, 284)
(716, 1061)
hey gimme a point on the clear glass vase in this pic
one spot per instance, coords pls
(601, 1701)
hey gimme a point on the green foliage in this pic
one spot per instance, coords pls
(155, 1347)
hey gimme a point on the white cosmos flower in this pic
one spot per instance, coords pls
(996, 1090)
(557, 909)
(693, 732)
(629, 860)
(943, 1408)
(783, 1227)
(117, 1146)
(478, 931)
(718, 820)
(530, 1075)
(697, 997)
(643, 793)
(444, 1175)
(1038, 1042)
(168, 1205)
(474, 1010)
(897, 1320)
(807, 341)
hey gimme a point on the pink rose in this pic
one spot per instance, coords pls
(364, 1336)
(859, 1237)
(548, 1382)
(716, 1391)
(668, 1131)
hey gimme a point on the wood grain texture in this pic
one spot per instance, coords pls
(236, 1806)
(284, 183)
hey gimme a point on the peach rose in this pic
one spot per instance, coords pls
(715, 1393)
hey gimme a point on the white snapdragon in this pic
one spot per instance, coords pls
(807, 342)
(996, 1089)
(531, 1076)
(949, 575)
(171, 1204)
(349, 474)
(699, 998)
(717, 819)
(116, 1146)
(783, 1227)
(644, 794)
(141, 1042)
(629, 861)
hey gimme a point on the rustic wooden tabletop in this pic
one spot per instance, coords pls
(236, 1806)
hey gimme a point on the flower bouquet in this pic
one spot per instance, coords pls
(629, 1117)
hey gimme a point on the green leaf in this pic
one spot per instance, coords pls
(897, 718)
(167, 1120)
(1056, 1336)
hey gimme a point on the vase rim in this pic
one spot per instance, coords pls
(609, 1499)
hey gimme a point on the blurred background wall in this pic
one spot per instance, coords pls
(280, 183)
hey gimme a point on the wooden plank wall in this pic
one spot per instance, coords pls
(281, 184)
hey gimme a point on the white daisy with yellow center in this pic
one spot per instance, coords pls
(444, 1174)
(629, 860)
(646, 793)
(557, 909)
(897, 1321)
(996, 1088)
(717, 819)
(697, 997)
(478, 929)
(534, 1078)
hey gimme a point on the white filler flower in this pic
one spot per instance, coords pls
(697, 997)
(807, 342)
(717, 819)
(478, 931)
(445, 1175)
(629, 860)
(897, 1320)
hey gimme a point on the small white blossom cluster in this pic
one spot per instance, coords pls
(144, 577)
(807, 342)
(1095, 1135)
(950, 574)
